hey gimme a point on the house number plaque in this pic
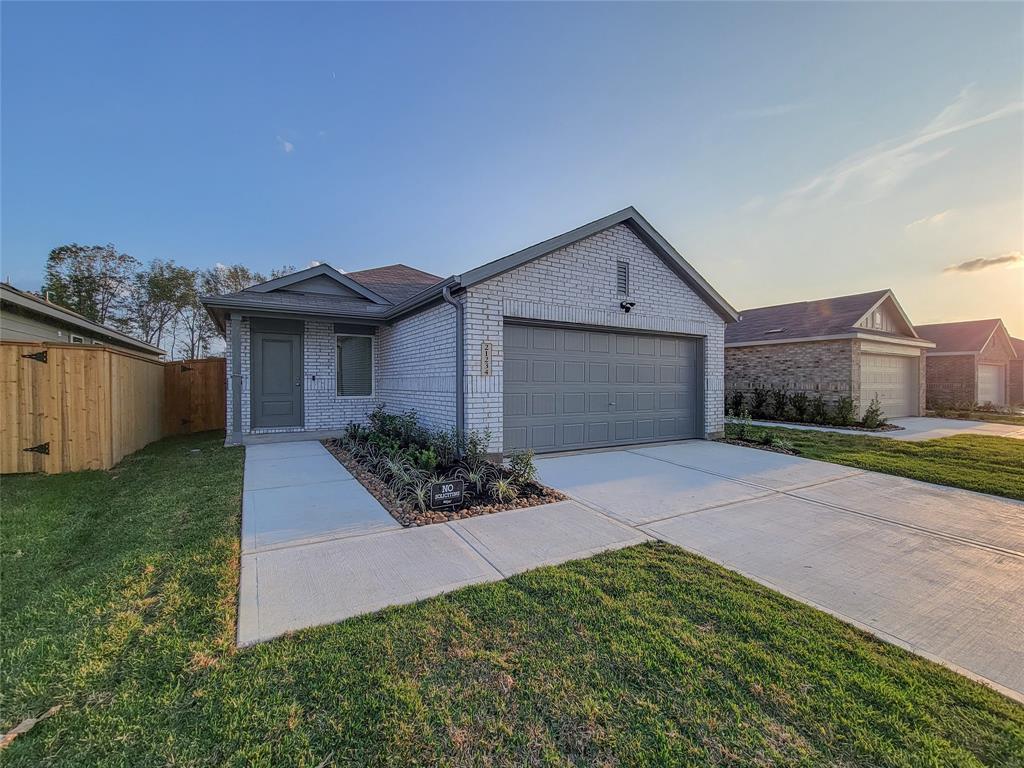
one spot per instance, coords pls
(485, 358)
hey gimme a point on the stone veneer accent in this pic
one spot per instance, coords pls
(577, 284)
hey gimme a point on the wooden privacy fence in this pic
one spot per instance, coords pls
(68, 407)
(194, 392)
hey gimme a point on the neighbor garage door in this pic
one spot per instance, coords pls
(566, 388)
(992, 384)
(894, 379)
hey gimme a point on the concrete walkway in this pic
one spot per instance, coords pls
(915, 428)
(317, 548)
(936, 570)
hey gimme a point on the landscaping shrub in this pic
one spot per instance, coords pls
(734, 401)
(759, 402)
(778, 400)
(818, 410)
(405, 459)
(874, 417)
(799, 403)
(843, 414)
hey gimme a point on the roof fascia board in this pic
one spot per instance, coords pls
(55, 312)
(421, 300)
(324, 270)
(907, 342)
(640, 226)
(952, 354)
(1009, 339)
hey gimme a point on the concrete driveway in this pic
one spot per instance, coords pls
(937, 570)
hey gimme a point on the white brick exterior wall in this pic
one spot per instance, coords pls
(577, 284)
(414, 359)
(414, 369)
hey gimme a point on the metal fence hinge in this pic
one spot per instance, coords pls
(43, 448)
(39, 357)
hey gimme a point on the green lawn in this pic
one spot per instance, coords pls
(987, 464)
(118, 602)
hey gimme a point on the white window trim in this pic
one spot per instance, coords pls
(76, 339)
(373, 365)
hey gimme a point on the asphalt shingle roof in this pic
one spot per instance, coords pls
(801, 319)
(395, 282)
(965, 336)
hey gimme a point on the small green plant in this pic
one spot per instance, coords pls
(818, 410)
(874, 416)
(800, 403)
(445, 444)
(419, 493)
(784, 444)
(759, 402)
(475, 452)
(424, 459)
(504, 490)
(743, 425)
(356, 433)
(476, 477)
(522, 468)
(767, 438)
(842, 416)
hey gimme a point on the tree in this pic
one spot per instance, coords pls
(154, 298)
(196, 327)
(91, 280)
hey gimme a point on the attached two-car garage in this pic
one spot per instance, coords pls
(568, 388)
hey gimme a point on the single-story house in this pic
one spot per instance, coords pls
(970, 363)
(27, 317)
(600, 336)
(1017, 373)
(849, 346)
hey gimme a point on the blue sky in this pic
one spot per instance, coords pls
(789, 151)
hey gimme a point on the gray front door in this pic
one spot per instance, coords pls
(568, 388)
(276, 374)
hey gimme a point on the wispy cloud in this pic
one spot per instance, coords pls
(1009, 259)
(286, 145)
(768, 110)
(930, 221)
(872, 172)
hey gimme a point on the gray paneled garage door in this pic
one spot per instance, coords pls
(567, 388)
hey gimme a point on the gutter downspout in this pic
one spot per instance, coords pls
(460, 362)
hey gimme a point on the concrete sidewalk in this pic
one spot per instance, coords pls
(914, 428)
(317, 548)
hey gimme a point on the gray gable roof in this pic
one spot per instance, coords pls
(805, 319)
(396, 290)
(967, 336)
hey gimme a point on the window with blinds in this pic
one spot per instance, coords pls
(622, 278)
(355, 366)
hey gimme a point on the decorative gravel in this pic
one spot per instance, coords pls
(531, 495)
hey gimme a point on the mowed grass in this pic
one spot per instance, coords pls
(118, 602)
(987, 464)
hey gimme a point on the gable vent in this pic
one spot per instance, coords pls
(622, 278)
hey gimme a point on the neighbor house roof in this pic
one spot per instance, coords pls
(397, 290)
(32, 304)
(836, 316)
(1018, 346)
(966, 337)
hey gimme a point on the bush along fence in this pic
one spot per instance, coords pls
(423, 476)
(773, 404)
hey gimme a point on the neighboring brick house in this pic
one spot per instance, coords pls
(970, 364)
(601, 336)
(849, 346)
(1017, 373)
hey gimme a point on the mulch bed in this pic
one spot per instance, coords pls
(407, 514)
